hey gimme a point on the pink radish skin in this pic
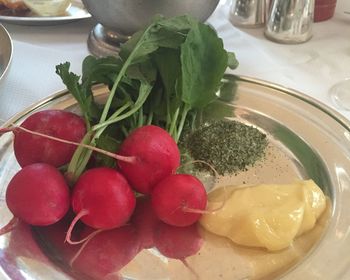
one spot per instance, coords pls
(105, 197)
(31, 148)
(38, 195)
(155, 154)
(179, 199)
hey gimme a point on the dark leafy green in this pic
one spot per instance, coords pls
(80, 92)
(203, 61)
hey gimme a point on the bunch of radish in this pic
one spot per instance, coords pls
(102, 198)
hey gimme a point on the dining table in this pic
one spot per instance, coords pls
(311, 68)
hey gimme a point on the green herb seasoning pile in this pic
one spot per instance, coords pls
(229, 146)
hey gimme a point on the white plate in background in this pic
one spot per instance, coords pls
(75, 12)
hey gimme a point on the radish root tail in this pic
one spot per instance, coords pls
(223, 203)
(68, 239)
(6, 129)
(129, 159)
(10, 226)
(208, 211)
(195, 211)
(208, 187)
(216, 174)
(211, 211)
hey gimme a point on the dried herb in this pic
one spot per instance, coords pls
(229, 146)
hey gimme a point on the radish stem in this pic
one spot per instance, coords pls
(5, 130)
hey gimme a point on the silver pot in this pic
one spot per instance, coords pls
(119, 19)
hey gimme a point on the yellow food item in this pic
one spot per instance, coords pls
(48, 7)
(268, 216)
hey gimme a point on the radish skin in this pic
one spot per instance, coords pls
(155, 154)
(102, 198)
(30, 148)
(38, 195)
(179, 199)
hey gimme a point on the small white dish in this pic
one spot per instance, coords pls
(75, 12)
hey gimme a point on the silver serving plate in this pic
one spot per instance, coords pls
(308, 140)
(6, 49)
(75, 12)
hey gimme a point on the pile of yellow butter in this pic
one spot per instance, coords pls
(267, 216)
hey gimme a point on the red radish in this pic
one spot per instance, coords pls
(102, 199)
(107, 252)
(155, 155)
(179, 199)
(38, 195)
(145, 220)
(30, 148)
(177, 242)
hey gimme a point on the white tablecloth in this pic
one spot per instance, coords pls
(312, 67)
